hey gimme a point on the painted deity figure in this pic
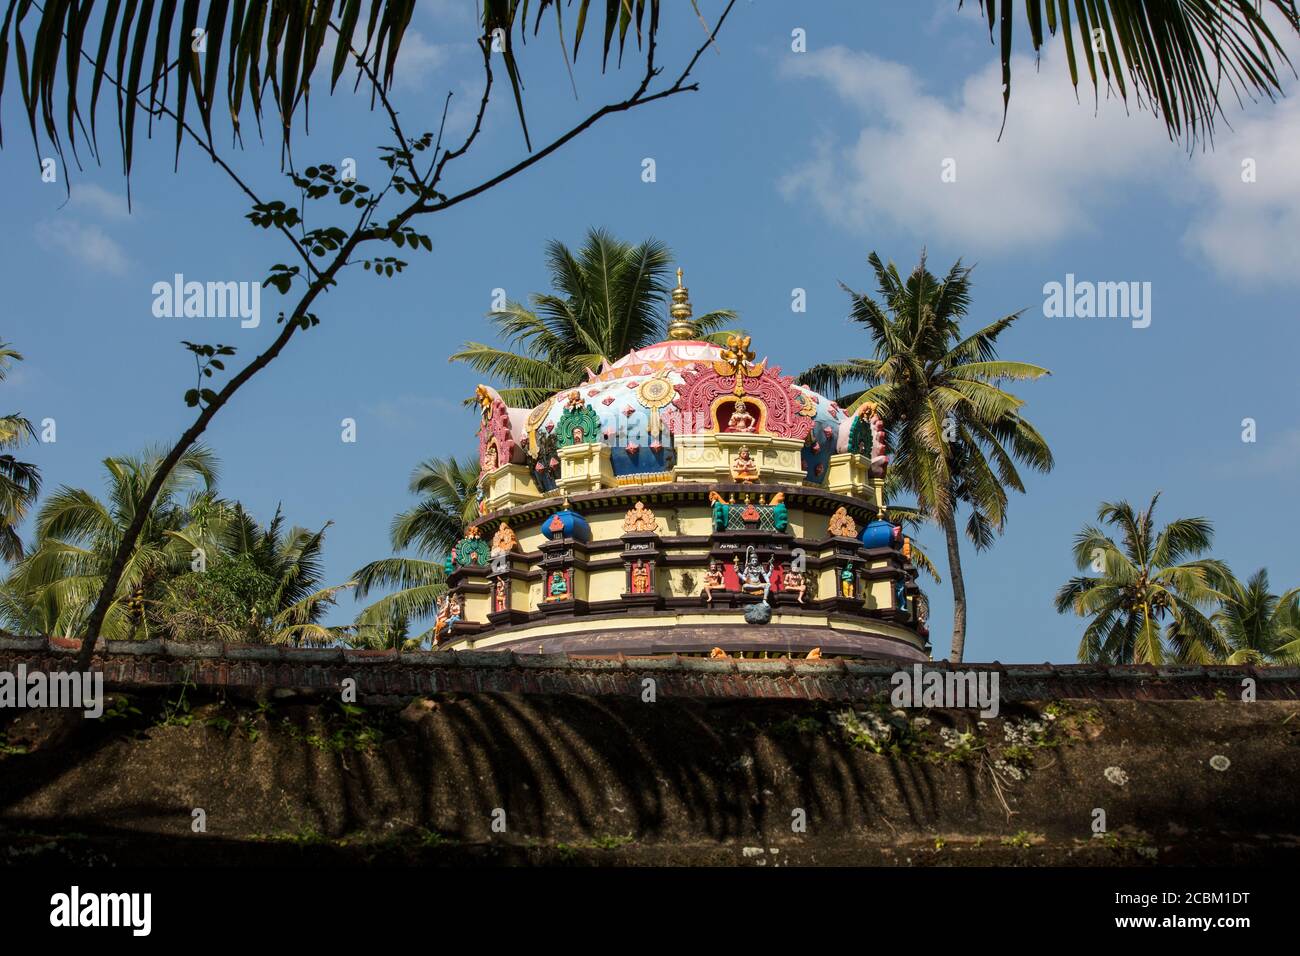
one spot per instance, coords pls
(741, 420)
(640, 577)
(504, 541)
(447, 615)
(713, 580)
(558, 589)
(754, 579)
(499, 595)
(848, 582)
(490, 458)
(796, 583)
(743, 466)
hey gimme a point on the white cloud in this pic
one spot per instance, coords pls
(84, 242)
(87, 197)
(1054, 168)
(418, 60)
(1249, 230)
(1058, 171)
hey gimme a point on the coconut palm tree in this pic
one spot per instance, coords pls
(610, 297)
(1147, 592)
(77, 535)
(449, 490)
(1256, 625)
(20, 482)
(263, 586)
(957, 434)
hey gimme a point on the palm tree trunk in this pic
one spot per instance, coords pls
(958, 589)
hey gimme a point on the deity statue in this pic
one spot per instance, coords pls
(490, 462)
(741, 420)
(504, 541)
(848, 582)
(500, 595)
(641, 577)
(558, 589)
(843, 526)
(754, 579)
(796, 583)
(743, 467)
(713, 579)
(639, 519)
(448, 614)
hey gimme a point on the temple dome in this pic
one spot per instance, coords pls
(636, 415)
(769, 536)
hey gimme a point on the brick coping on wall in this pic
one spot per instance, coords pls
(390, 676)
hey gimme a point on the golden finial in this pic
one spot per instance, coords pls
(681, 327)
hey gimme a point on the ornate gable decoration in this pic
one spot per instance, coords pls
(639, 519)
(842, 524)
(867, 433)
(496, 444)
(579, 423)
(867, 437)
(757, 397)
(471, 549)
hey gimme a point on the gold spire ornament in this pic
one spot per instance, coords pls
(681, 327)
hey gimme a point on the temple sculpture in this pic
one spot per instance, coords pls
(687, 498)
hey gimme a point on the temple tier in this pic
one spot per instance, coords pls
(684, 499)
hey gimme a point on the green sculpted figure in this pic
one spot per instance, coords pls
(780, 516)
(719, 511)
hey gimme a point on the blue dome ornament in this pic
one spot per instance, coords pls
(567, 524)
(878, 534)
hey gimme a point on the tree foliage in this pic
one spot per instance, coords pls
(20, 481)
(957, 435)
(1149, 591)
(609, 297)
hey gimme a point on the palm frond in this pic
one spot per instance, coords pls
(272, 46)
(1173, 56)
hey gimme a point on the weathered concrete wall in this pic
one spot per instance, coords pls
(717, 769)
(389, 677)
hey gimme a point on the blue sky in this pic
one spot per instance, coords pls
(783, 172)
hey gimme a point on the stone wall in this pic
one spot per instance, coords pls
(387, 676)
